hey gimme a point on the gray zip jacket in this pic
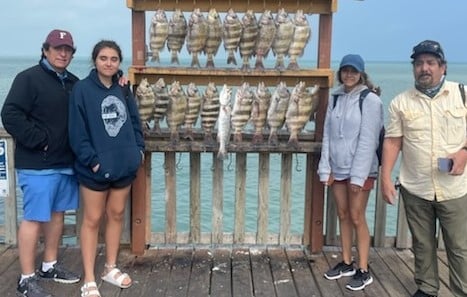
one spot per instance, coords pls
(351, 137)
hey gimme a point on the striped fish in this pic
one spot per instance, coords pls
(160, 104)
(301, 36)
(267, 32)
(232, 33)
(250, 31)
(277, 110)
(214, 37)
(223, 126)
(284, 35)
(209, 111)
(194, 99)
(197, 33)
(299, 110)
(259, 111)
(158, 32)
(145, 99)
(177, 34)
(241, 110)
(176, 110)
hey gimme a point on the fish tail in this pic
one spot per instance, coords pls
(231, 58)
(174, 58)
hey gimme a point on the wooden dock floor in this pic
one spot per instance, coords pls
(234, 272)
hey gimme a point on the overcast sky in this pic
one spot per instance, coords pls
(379, 30)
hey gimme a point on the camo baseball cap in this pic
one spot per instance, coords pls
(58, 38)
(428, 47)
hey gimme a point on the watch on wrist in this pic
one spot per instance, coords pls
(465, 148)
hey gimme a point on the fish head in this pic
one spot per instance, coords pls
(225, 95)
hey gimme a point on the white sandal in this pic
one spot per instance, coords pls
(111, 277)
(89, 289)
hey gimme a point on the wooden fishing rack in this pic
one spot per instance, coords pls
(321, 75)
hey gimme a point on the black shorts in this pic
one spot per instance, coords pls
(99, 186)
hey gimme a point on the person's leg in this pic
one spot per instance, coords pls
(52, 234)
(421, 218)
(93, 210)
(345, 224)
(28, 235)
(453, 217)
(357, 205)
(115, 208)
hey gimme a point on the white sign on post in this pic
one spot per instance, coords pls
(4, 189)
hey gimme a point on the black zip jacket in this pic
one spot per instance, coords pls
(35, 113)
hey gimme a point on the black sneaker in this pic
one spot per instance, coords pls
(340, 270)
(30, 288)
(360, 280)
(420, 293)
(60, 275)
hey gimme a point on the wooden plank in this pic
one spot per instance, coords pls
(170, 198)
(242, 283)
(317, 204)
(380, 217)
(231, 76)
(200, 273)
(10, 201)
(263, 283)
(161, 261)
(138, 207)
(221, 285)
(181, 267)
(195, 197)
(283, 280)
(240, 194)
(138, 37)
(316, 6)
(263, 198)
(286, 182)
(303, 278)
(217, 199)
(140, 271)
(382, 273)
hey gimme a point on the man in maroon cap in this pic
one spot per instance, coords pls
(35, 113)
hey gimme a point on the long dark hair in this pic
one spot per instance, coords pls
(103, 44)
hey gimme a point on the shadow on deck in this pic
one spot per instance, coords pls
(234, 272)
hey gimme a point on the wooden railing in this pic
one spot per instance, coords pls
(161, 147)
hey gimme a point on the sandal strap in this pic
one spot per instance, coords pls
(90, 289)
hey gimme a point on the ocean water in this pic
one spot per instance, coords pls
(392, 77)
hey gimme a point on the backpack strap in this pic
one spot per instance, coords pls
(334, 102)
(461, 89)
(363, 95)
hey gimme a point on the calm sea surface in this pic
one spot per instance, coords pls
(392, 77)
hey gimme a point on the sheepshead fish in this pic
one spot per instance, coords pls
(301, 36)
(161, 103)
(232, 33)
(250, 31)
(259, 111)
(145, 98)
(284, 35)
(277, 110)
(209, 111)
(267, 32)
(197, 34)
(194, 99)
(176, 110)
(158, 32)
(241, 110)
(214, 38)
(177, 34)
(223, 124)
(299, 110)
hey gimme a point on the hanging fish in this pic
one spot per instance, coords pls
(214, 37)
(284, 35)
(267, 32)
(158, 32)
(277, 110)
(259, 110)
(209, 111)
(161, 103)
(299, 110)
(194, 99)
(301, 36)
(232, 33)
(176, 110)
(223, 125)
(197, 35)
(145, 99)
(241, 110)
(177, 34)
(250, 31)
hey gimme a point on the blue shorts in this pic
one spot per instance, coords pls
(45, 194)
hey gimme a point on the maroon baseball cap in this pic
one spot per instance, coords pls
(58, 38)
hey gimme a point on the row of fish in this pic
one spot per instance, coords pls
(232, 112)
(283, 35)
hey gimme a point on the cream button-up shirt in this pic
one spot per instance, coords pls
(430, 128)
